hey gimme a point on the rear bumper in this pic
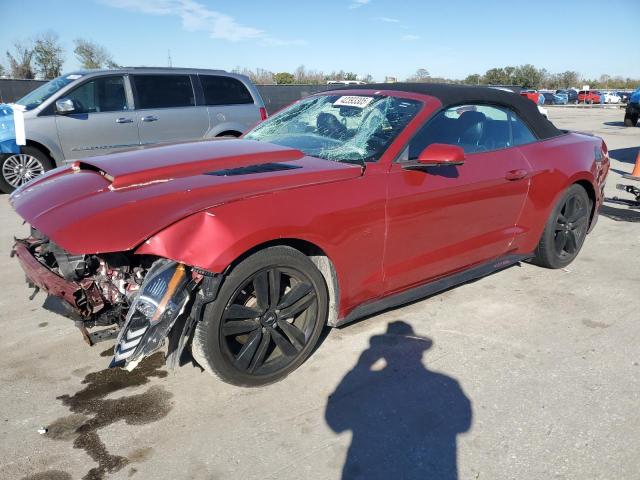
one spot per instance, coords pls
(40, 276)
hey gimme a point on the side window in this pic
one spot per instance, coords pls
(475, 128)
(105, 94)
(520, 132)
(224, 91)
(163, 91)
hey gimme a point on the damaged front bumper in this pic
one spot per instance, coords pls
(143, 303)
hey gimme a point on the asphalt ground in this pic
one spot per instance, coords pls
(525, 374)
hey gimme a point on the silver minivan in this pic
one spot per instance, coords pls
(97, 112)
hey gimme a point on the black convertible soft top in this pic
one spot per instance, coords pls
(450, 95)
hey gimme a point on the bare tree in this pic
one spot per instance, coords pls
(20, 60)
(421, 75)
(48, 55)
(91, 55)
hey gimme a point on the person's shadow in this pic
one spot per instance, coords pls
(404, 418)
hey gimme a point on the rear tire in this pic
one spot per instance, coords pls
(18, 169)
(266, 321)
(565, 231)
(630, 121)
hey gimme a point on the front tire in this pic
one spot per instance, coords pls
(266, 321)
(630, 121)
(565, 231)
(19, 168)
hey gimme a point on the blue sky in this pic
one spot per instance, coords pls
(382, 37)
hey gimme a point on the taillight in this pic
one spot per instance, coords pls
(263, 113)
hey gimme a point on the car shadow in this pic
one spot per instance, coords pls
(404, 418)
(614, 124)
(624, 214)
(626, 155)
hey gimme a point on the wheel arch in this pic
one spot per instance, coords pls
(189, 241)
(591, 192)
(233, 133)
(317, 255)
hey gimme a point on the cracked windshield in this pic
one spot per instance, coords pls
(344, 128)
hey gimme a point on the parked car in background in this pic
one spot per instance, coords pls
(95, 112)
(561, 98)
(624, 96)
(276, 237)
(572, 95)
(551, 98)
(589, 96)
(533, 95)
(632, 112)
(611, 97)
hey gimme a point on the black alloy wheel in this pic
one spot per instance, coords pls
(566, 229)
(269, 320)
(571, 226)
(268, 317)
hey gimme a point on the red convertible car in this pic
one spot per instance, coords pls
(344, 204)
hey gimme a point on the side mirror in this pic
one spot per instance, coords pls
(65, 106)
(437, 155)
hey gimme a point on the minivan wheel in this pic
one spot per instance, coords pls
(266, 320)
(565, 231)
(630, 121)
(17, 169)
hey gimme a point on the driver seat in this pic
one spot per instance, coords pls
(329, 126)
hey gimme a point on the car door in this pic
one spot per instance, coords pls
(166, 108)
(449, 218)
(102, 121)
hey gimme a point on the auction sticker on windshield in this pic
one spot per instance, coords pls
(353, 101)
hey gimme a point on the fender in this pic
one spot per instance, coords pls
(348, 228)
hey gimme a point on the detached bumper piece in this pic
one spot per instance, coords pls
(162, 299)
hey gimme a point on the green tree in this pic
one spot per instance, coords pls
(473, 79)
(284, 78)
(350, 76)
(495, 76)
(528, 76)
(91, 55)
(570, 79)
(48, 55)
(20, 61)
(1, 70)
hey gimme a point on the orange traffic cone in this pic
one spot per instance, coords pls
(635, 175)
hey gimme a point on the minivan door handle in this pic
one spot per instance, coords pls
(516, 174)
(124, 120)
(149, 118)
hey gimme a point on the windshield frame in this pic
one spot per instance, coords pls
(390, 150)
(41, 94)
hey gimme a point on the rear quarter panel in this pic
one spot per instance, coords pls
(556, 164)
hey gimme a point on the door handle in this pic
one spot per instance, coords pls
(516, 174)
(149, 118)
(124, 120)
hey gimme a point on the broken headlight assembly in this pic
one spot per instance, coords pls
(162, 298)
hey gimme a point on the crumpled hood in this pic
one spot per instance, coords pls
(115, 202)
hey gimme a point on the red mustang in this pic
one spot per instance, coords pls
(345, 203)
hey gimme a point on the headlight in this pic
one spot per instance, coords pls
(155, 309)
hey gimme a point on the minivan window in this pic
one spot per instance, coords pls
(104, 94)
(224, 91)
(163, 91)
(35, 98)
